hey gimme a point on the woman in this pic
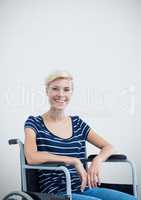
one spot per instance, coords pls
(57, 137)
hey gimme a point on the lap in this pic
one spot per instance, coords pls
(76, 196)
(101, 194)
(104, 194)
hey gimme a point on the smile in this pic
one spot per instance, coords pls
(60, 101)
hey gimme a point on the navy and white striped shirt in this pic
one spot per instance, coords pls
(51, 181)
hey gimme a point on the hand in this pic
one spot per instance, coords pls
(94, 173)
(82, 172)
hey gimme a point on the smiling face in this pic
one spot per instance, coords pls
(59, 93)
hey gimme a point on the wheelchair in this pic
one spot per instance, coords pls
(29, 182)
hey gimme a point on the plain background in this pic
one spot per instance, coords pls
(98, 42)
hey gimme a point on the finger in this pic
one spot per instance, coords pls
(95, 181)
(99, 179)
(83, 184)
(89, 181)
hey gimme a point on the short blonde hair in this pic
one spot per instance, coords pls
(57, 75)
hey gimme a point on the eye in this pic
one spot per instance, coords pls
(55, 88)
(66, 89)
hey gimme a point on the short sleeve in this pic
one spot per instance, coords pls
(31, 123)
(85, 128)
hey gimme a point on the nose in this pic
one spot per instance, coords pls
(61, 92)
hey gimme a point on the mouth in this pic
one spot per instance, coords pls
(60, 101)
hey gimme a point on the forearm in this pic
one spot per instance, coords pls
(33, 156)
(105, 152)
(39, 157)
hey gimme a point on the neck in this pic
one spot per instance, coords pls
(56, 115)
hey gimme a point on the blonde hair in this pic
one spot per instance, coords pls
(57, 75)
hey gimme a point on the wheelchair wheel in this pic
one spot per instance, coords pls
(17, 195)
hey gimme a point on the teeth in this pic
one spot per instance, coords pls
(60, 101)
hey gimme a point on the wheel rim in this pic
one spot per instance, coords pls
(17, 195)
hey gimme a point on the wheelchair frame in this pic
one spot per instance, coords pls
(61, 166)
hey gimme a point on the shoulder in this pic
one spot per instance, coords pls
(77, 120)
(80, 126)
(33, 120)
(74, 117)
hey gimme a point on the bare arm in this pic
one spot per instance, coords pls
(33, 156)
(37, 157)
(94, 171)
(106, 148)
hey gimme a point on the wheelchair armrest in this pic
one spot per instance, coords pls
(112, 158)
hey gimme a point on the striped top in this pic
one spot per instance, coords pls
(51, 181)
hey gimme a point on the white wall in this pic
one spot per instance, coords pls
(98, 42)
